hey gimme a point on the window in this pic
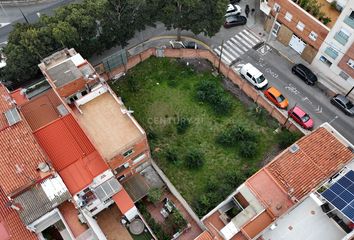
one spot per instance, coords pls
(139, 158)
(276, 7)
(326, 61)
(313, 36)
(342, 36)
(331, 52)
(351, 15)
(344, 75)
(300, 26)
(128, 153)
(288, 16)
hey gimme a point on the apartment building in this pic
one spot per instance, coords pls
(297, 27)
(115, 133)
(335, 57)
(289, 197)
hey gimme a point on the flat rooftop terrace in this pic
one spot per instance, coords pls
(306, 221)
(108, 127)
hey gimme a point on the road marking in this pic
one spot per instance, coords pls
(318, 109)
(247, 39)
(235, 47)
(243, 42)
(239, 44)
(223, 57)
(252, 35)
(231, 50)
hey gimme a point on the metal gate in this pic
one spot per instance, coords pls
(297, 44)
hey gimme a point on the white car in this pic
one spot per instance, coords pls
(254, 76)
(233, 9)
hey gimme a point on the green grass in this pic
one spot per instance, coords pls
(160, 91)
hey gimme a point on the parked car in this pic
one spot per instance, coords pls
(253, 75)
(304, 73)
(233, 9)
(235, 20)
(275, 96)
(183, 44)
(343, 104)
(234, 1)
(301, 117)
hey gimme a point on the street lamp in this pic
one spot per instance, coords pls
(23, 15)
(221, 50)
(346, 95)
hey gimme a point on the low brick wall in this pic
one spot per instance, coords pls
(224, 69)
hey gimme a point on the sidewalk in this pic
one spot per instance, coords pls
(327, 86)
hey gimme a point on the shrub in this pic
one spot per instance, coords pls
(151, 135)
(177, 221)
(171, 155)
(226, 139)
(248, 149)
(285, 138)
(154, 195)
(326, 20)
(194, 159)
(211, 93)
(235, 135)
(182, 125)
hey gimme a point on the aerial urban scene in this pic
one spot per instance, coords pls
(177, 119)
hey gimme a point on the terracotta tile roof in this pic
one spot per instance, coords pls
(123, 201)
(64, 142)
(20, 153)
(204, 236)
(42, 109)
(12, 223)
(79, 175)
(319, 156)
(18, 97)
(257, 225)
(269, 192)
(71, 152)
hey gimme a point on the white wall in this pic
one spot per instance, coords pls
(331, 74)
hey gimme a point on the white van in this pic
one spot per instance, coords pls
(253, 75)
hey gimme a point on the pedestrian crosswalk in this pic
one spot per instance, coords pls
(237, 46)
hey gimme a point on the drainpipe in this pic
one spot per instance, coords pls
(275, 20)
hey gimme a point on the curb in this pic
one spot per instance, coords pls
(183, 37)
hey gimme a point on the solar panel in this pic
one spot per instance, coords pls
(341, 195)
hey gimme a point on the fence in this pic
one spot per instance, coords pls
(214, 60)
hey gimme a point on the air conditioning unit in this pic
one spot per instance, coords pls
(351, 63)
(126, 165)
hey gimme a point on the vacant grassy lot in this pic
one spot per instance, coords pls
(161, 92)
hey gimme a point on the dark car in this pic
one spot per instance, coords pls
(304, 73)
(235, 20)
(343, 104)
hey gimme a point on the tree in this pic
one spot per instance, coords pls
(199, 16)
(123, 17)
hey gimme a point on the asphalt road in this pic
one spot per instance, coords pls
(310, 98)
(15, 16)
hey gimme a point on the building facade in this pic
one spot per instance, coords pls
(335, 57)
